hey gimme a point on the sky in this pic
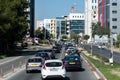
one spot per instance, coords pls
(46, 9)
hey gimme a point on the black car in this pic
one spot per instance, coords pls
(72, 62)
(50, 51)
(56, 49)
(44, 55)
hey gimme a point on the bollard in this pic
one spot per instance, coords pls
(1, 73)
(13, 68)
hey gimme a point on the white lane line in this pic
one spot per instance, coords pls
(97, 76)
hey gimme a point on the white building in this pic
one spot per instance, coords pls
(77, 22)
(91, 15)
(40, 24)
(47, 23)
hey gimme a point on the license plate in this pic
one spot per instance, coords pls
(34, 64)
(53, 69)
(71, 62)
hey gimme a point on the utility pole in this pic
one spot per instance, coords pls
(111, 35)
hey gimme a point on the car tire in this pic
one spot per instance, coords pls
(27, 71)
(43, 78)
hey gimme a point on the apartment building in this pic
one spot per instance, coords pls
(91, 15)
(52, 27)
(108, 15)
(29, 13)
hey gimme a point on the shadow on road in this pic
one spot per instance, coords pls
(76, 70)
(67, 78)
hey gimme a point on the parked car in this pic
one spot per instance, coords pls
(44, 55)
(34, 63)
(72, 62)
(53, 69)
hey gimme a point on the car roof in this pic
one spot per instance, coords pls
(53, 60)
(36, 58)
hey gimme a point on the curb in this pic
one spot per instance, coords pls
(93, 68)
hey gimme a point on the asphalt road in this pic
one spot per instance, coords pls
(82, 74)
(104, 52)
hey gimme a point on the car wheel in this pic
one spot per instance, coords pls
(27, 71)
(43, 78)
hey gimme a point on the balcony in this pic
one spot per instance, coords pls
(27, 10)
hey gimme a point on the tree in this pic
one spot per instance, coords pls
(64, 37)
(97, 29)
(13, 24)
(38, 32)
(73, 35)
(118, 40)
(86, 37)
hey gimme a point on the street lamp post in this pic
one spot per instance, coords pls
(111, 35)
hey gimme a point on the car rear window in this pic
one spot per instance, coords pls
(42, 54)
(72, 58)
(35, 60)
(54, 64)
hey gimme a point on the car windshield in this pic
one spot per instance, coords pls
(72, 58)
(42, 54)
(55, 47)
(47, 50)
(35, 60)
(54, 64)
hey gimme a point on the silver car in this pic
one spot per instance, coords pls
(34, 63)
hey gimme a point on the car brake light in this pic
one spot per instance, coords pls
(44, 67)
(27, 64)
(65, 63)
(47, 58)
(78, 62)
(63, 66)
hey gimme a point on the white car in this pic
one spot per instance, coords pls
(53, 69)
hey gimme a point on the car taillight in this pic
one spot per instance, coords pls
(63, 66)
(44, 67)
(47, 58)
(27, 64)
(42, 63)
(78, 62)
(65, 63)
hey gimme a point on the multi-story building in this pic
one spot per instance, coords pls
(52, 27)
(47, 23)
(40, 24)
(77, 22)
(32, 16)
(60, 27)
(109, 14)
(91, 15)
(29, 13)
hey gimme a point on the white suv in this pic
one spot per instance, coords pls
(53, 69)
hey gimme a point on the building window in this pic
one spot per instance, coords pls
(95, 1)
(114, 4)
(92, 1)
(114, 11)
(114, 27)
(92, 7)
(114, 19)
